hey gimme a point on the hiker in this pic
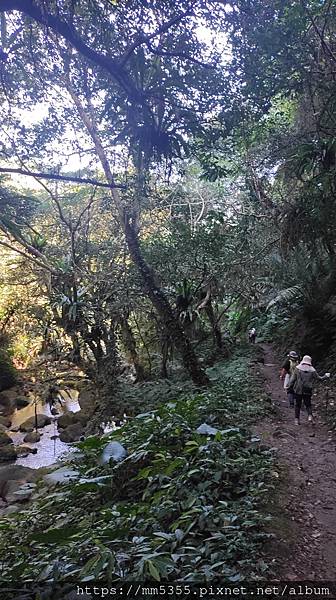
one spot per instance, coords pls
(252, 335)
(287, 370)
(302, 382)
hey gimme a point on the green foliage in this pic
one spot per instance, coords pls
(8, 372)
(180, 506)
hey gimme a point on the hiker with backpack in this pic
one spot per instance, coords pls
(302, 383)
(252, 335)
(286, 372)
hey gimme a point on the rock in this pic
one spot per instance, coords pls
(4, 400)
(82, 417)
(29, 424)
(54, 411)
(13, 508)
(17, 491)
(25, 450)
(7, 453)
(21, 454)
(61, 476)
(54, 437)
(72, 433)
(72, 418)
(3, 429)
(7, 397)
(205, 429)
(5, 421)
(22, 401)
(74, 455)
(18, 472)
(5, 439)
(32, 437)
(113, 450)
(23, 493)
(67, 419)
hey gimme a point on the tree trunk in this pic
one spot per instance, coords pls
(216, 332)
(108, 364)
(163, 308)
(154, 293)
(130, 346)
(164, 360)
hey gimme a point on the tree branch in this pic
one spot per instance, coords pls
(56, 177)
(181, 55)
(67, 31)
(29, 257)
(143, 39)
(324, 44)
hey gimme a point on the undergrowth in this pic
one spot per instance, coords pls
(181, 506)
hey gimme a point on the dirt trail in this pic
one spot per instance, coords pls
(305, 513)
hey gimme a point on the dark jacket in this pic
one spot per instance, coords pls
(289, 365)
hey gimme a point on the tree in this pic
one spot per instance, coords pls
(121, 97)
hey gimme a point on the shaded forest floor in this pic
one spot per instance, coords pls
(304, 512)
(174, 473)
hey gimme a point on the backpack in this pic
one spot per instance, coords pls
(306, 383)
(292, 366)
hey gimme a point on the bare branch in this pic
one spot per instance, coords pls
(29, 257)
(142, 39)
(67, 178)
(206, 299)
(181, 55)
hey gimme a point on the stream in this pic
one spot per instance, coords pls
(49, 448)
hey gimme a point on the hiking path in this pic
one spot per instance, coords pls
(304, 505)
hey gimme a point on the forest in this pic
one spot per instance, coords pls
(167, 183)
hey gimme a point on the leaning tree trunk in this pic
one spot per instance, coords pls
(154, 293)
(163, 308)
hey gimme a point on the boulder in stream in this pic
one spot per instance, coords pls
(5, 421)
(25, 450)
(4, 400)
(72, 418)
(7, 453)
(73, 433)
(5, 439)
(32, 437)
(69, 418)
(22, 401)
(29, 424)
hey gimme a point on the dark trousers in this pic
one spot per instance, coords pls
(306, 398)
(290, 396)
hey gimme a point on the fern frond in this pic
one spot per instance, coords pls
(287, 295)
